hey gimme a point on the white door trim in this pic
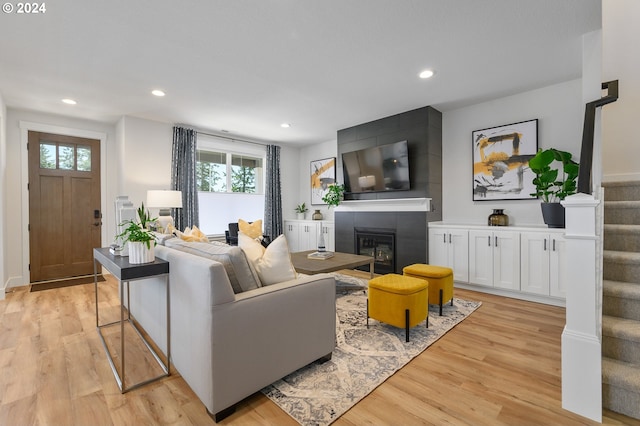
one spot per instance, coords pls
(25, 128)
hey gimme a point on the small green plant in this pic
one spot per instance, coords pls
(334, 195)
(137, 231)
(301, 208)
(554, 184)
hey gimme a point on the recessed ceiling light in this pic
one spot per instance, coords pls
(69, 101)
(158, 93)
(285, 125)
(426, 74)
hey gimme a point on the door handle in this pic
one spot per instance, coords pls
(97, 223)
(489, 241)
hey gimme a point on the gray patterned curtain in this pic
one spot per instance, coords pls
(183, 176)
(273, 197)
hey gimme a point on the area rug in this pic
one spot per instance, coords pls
(364, 358)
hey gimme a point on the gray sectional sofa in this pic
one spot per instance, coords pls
(231, 336)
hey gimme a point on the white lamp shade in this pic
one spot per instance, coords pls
(164, 199)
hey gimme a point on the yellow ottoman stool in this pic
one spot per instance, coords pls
(399, 301)
(440, 280)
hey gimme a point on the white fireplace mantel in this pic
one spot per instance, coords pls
(386, 205)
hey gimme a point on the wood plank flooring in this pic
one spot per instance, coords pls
(501, 366)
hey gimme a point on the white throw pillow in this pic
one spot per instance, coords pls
(273, 264)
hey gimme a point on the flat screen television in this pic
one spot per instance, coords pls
(377, 169)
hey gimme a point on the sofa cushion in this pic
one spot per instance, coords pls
(240, 273)
(254, 229)
(273, 264)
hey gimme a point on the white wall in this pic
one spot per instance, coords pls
(16, 219)
(307, 155)
(621, 142)
(559, 111)
(3, 183)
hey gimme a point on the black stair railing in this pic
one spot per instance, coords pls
(586, 153)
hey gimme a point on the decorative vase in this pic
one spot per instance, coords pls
(140, 253)
(317, 215)
(553, 214)
(498, 218)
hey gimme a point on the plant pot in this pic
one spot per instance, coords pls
(553, 214)
(140, 253)
(300, 216)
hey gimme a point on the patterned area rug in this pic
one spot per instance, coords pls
(364, 358)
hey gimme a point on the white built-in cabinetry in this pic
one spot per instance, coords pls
(304, 235)
(494, 258)
(521, 262)
(450, 247)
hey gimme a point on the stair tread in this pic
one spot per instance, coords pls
(620, 373)
(623, 256)
(624, 204)
(631, 229)
(621, 183)
(621, 289)
(621, 328)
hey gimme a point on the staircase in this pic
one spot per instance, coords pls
(621, 299)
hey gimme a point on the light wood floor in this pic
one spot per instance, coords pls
(501, 366)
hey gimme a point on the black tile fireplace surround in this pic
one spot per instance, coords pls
(410, 234)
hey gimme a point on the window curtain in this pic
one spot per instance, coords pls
(183, 176)
(273, 197)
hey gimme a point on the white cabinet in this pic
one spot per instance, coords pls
(542, 263)
(303, 235)
(525, 262)
(449, 247)
(494, 258)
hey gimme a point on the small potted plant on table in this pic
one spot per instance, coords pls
(141, 240)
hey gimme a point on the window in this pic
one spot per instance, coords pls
(230, 182)
(227, 172)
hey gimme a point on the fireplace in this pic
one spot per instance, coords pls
(379, 244)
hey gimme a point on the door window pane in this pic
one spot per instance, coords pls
(47, 156)
(84, 158)
(66, 157)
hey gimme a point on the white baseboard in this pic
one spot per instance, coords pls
(621, 177)
(547, 300)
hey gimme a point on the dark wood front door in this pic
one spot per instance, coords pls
(64, 205)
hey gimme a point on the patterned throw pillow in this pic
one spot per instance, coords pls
(253, 230)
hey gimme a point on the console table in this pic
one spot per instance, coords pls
(126, 272)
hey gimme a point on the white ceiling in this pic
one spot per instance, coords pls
(246, 66)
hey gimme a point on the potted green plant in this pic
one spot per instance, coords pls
(556, 178)
(334, 195)
(301, 209)
(140, 239)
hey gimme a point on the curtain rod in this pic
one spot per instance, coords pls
(223, 137)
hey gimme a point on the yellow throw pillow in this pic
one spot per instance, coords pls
(253, 230)
(192, 235)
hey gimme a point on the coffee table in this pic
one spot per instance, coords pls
(339, 261)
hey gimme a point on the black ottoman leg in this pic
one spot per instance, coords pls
(367, 313)
(441, 296)
(406, 330)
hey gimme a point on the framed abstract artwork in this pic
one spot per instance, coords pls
(323, 174)
(501, 161)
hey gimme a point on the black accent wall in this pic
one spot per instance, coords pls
(422, 129)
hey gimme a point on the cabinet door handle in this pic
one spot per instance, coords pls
(449, 238)
(444, 238)
(554, 244)
(496, 240)
(489, 241)
(545, 244)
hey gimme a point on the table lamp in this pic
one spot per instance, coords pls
(164, 200)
